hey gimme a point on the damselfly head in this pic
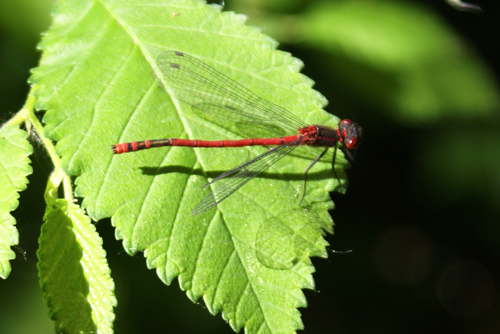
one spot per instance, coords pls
(350, 133)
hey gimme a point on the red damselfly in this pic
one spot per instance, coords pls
(208, 90)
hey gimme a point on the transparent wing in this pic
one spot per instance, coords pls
(237, 177)
(203, 87)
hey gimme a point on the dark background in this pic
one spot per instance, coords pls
(421, 214)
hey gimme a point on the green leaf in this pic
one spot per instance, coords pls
(403, 58)
(14, 169)
(95, 83)
(74, 274)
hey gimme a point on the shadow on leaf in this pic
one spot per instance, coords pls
(154, 171)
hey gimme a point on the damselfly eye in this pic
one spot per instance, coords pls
(345, 123)
(351, 143)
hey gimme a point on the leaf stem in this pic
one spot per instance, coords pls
(35, 128)
(23, 114)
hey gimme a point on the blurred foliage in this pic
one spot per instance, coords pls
(23, 20)
(422, 211)
(400, 55)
